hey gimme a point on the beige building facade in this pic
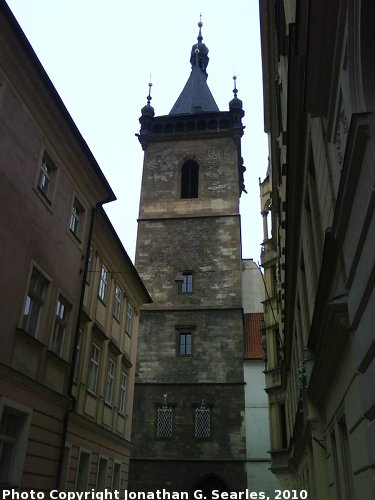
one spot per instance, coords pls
(98, 441)
(51, 192)
(317, 201)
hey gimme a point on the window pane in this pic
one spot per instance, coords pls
(34, 302)
(187, 284)
(164, 423)
(202, 422)
(185, 344)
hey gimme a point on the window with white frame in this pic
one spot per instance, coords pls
(129, 320)
(47, 175)
(60, 326)
(92, 382)
(76, 218)
(15, 420)
(83, 470)
(101, 477)
(110, 381)
(117, 304)
(122, 395)
(103, 284)
(34, 302)
(202, 421)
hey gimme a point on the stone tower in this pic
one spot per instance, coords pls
(188, 429)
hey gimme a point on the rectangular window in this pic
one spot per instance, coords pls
(164, 425)
(116, 478)
(187, 284)
(34, 302)
(101, 477)
(83, 471)
(76, 218)
(185, 347)
(122, 396)
(117, 303)
(46, 176)
(110, 381)
(202, 422)
(129, 320)
(59, 329)
(94, 368)
(14, 433)
(103, 285)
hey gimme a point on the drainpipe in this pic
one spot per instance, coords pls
(74, 354)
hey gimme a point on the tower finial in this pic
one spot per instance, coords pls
(200, 24)
(149, 91)
(235, 90)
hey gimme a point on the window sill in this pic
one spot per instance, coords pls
(30, 337)
(57, 358)
(47, 202)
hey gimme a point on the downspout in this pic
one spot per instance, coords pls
(74, 354)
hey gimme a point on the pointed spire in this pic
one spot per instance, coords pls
(148, 109)
(235, 103)
(196, 97)
(199, 52)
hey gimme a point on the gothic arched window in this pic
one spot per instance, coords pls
(189, 179)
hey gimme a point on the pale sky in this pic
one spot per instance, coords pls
(99, 56)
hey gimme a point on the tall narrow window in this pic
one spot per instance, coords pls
(14, 434)
(59, 329)
(46, 176)
(110, 382)
(92, 382)
(187, 283)
(103, 285)
(185, 348)
(83, 471)
(129, 320)
(202, 421)
(117, 303)
(164, 424)
(116, 477)
(76, 218)
(34, 302)
(122, 396)
(189, 179)
(101, 477)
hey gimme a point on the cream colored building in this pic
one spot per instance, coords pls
(51, 191)
(97, 446)
(317, 201)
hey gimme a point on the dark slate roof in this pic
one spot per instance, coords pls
(196, 97)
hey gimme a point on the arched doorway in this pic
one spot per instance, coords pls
(210, 483)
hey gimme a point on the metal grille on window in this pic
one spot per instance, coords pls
(202, 421)
(164, 422)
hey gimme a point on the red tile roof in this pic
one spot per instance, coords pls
(253, 336)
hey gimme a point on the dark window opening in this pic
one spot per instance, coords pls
(189, 180)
